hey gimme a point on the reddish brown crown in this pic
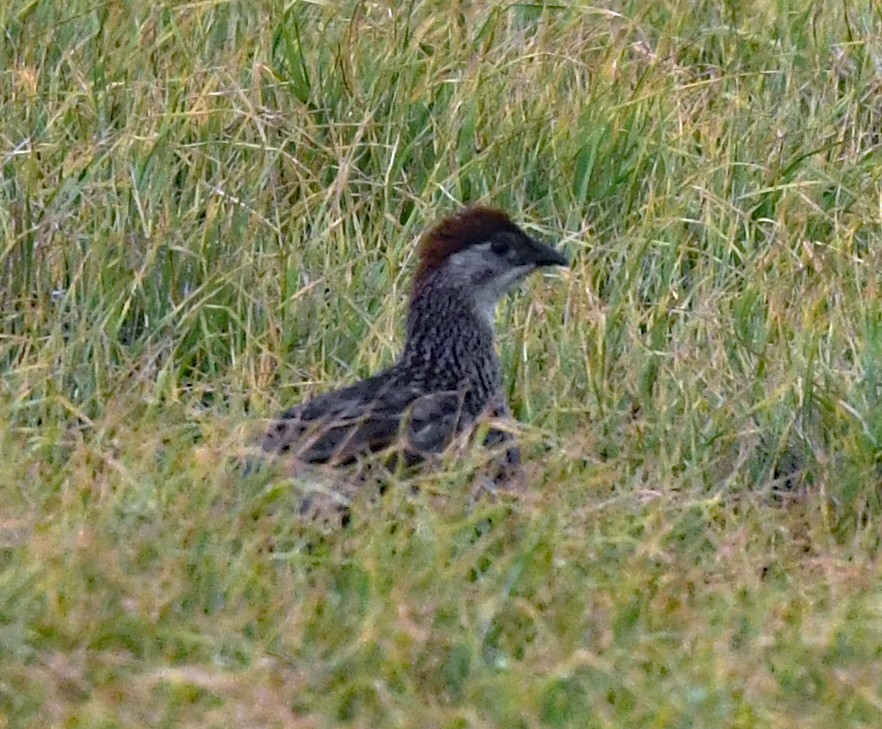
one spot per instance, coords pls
(456, 232)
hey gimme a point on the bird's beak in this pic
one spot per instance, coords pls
(544, 255)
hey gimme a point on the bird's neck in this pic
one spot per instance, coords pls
(449, 338)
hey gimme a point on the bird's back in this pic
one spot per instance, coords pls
(388, 409)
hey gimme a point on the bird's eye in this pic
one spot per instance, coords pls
(499, 247)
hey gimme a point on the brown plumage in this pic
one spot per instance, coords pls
(447, 377)
(456, 232)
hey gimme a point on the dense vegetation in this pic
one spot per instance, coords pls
(208, 210)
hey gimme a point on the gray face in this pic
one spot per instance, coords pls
(489, 270)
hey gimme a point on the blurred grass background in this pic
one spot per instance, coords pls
(208, 211)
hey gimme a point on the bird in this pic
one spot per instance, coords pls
(447, 379)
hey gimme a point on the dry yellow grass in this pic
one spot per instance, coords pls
(207, 210)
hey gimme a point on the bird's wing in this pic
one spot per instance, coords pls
(372, 415)
(334, 427)
(433, 420)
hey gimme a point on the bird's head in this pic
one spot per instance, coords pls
(482, 252)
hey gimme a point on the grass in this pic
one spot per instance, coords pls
(207, 211)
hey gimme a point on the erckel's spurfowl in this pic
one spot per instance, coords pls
(448, 376)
